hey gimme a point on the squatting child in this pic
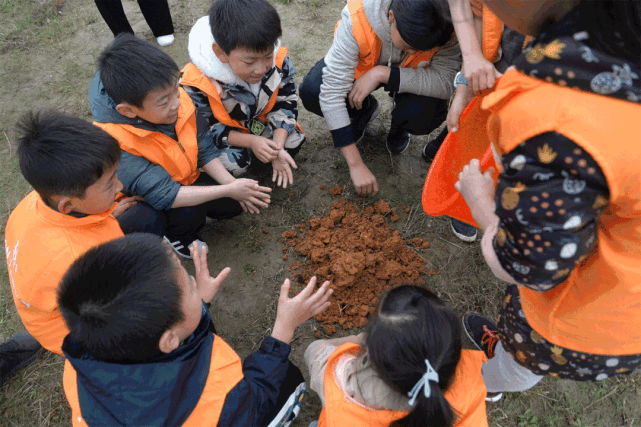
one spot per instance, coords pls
(408, 369)
(142, 351)
(135, 97)
(242, 82)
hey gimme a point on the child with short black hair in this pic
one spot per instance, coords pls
(407, 369)
(136, 98)
(242, 81)
(142, 349)
(72, 166)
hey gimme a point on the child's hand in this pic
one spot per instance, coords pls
(125, 204)
(463, 96)
(478, 191)
(365, 85)
(282, 166)
(293, 312)
(249, 194)
(207, 286)
(479, 72)
(265, 149)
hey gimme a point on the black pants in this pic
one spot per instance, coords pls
(293, 380)
(178, 223)
(156, 13)
(418, 115)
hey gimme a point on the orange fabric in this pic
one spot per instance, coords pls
(598, 308)
(492, 33)
(178, 157)
(370, 45)
(225, 372)
(192, 76)
(466, 395)
(41, 244)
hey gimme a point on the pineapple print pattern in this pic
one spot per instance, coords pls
(542, 357)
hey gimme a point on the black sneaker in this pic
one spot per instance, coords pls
(363, 117)
(432, 147)
(482, 332)
(17, 352)
(463, 231)
(182, 248)
(398, 139)
(290, 410)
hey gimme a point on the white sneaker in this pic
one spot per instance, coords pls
(182, 248)
(165, 40)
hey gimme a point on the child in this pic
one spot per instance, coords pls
(408, 368)
(405, 45)
(242, 81)
(136, 98)
(562, 225)
(72, 166)
(142, 350)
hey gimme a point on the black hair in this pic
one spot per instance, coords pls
(422, 24)
(130, 68)
(120, 297)
(60, 155)
(414, 325)
(248, 24)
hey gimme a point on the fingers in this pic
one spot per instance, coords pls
(263, 189)
(218, 280)
(284, 290)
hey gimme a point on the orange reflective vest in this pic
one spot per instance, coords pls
(192, 76)
(466, 395)
(492, 33)
(178, 157)
(598, 308)
(41, 244)
(370, 44)
(225, 371)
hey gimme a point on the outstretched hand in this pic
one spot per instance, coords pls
(293, 312)
(282, 166)
(207, 286)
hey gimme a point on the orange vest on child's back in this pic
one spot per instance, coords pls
(225, 371)
(598, 307)
(178, 157)
(192, 76)
(41, 244)
(370, 44)
(466, 394)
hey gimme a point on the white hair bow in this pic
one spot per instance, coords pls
(429, 375)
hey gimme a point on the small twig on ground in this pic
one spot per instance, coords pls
(453, 244)
(602, 397)
(8, 143)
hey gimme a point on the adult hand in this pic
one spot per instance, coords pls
(264, 148)
(365, 85)
(479, 72)
(207, 286)
(363, 179)
(293, 312)
(125, 204)
(282, 166)
(463, 96)
(477, 189)
(249, 194)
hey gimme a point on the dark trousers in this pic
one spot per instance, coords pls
(293, 379)
(156, 13)
(178, 223)
(418, 115)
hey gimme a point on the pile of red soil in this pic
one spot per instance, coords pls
(360, 254)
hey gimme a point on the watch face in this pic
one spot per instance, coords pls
(460, 79)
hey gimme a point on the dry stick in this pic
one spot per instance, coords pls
(601, 398)
(8, 143)
(453, 244)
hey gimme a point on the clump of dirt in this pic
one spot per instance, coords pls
(359, 253)
(336, 190)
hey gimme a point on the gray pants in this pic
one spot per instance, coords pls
(503, 373)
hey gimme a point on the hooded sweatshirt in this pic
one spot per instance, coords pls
(342, 58)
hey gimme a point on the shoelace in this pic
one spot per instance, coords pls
(490, 339)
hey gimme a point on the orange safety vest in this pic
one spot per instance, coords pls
(178, 157)
(466, 394)
(41, 244)
(492, 32)
(597, 309)
(370, 44)
(192, 76)
(225, 372)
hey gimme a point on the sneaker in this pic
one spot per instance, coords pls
(463, 231)
(182, 248)
(365, 116)
(17, 352)
(398, 139)
(481, 332)
(165, 40)
(290, 409)
(493, 396)
(429, 151)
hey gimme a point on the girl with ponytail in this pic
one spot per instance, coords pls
(406, 370)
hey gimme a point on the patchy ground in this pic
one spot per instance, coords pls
(48, 50)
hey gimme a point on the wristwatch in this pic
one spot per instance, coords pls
(459, 79)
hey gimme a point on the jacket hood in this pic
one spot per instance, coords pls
(203, 57)
(161, 392)
(377, 13)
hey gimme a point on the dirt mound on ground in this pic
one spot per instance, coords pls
(359, 253)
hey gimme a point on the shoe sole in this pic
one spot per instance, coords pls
(371, 119)
(463, 237)
(281, 418)
(494, 398)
